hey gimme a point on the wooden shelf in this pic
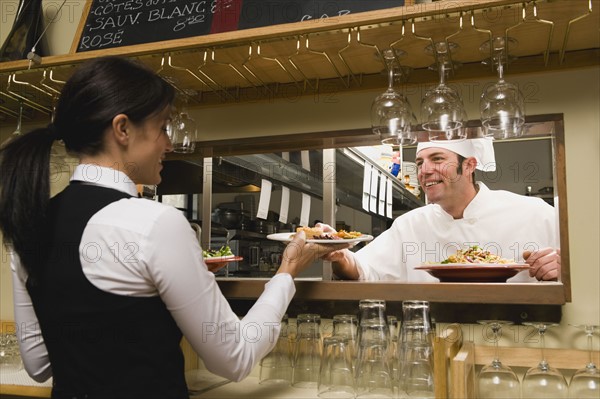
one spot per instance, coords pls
(218, 68)
(462, 383)
(25, 391)
(514, 293)
(450, 302)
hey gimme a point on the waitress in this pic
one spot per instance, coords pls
(106, 283)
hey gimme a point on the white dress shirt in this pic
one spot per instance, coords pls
(499, 221)
(143, 248)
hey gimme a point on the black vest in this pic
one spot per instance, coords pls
(101, 345)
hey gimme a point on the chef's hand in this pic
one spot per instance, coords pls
(299, 254)
(343, 261)
(544, 263)
(335, 256)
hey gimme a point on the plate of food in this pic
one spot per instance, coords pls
(318, 236)
(221, 255)
(474, 265)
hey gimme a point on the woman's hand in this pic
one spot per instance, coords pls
(215, 267)
(299, 254)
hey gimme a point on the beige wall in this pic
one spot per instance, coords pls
(574, 93)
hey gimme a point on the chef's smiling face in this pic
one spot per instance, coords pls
(441, 179)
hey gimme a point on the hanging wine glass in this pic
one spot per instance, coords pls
(183, 132)
(543, 381)
(172, 125)
(58, 151)
(501, 105)
(17, 131)
(391, 113)
(497, 380)
(442, 109)
(585, 383)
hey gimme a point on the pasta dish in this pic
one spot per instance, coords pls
(475, 254)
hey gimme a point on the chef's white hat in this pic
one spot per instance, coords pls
(480, 148)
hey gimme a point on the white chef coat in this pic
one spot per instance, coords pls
(502, 222)
(144, 248)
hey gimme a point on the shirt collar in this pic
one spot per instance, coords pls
(106, 177)
(470, 211)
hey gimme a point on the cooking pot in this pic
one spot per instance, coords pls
(228, 218)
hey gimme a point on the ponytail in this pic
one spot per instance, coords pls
(24, 194)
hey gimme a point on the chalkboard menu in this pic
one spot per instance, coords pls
(116, 23)
(256, 13)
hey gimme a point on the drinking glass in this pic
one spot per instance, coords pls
(345, 326)
(371, 312)
(585, 383)
(371, 309)
(415, 351)
(307, 351)
(10, 357)
(391, 112)
(496, 380)
(501, 105)
(374, 377)
(276, 366)
(543, 381)
(442, 108)
(336, 378)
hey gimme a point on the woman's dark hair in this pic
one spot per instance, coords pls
(96, 92)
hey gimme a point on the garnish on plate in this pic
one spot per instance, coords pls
(317, 233)
(475, 254)
(213, 253)
(348, 234)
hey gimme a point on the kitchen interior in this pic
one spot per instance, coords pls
(565, 94)
(236, 193)
(236, 197)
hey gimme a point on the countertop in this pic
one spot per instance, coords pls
(202, 385)
(20, 384)
(205, 385)
(250, 388)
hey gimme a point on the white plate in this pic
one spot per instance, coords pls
(287, 237)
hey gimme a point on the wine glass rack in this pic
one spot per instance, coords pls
(337, 55)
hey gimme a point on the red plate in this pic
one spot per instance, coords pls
(489, 273)
(221, 259)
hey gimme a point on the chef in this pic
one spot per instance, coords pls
(461, 212)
